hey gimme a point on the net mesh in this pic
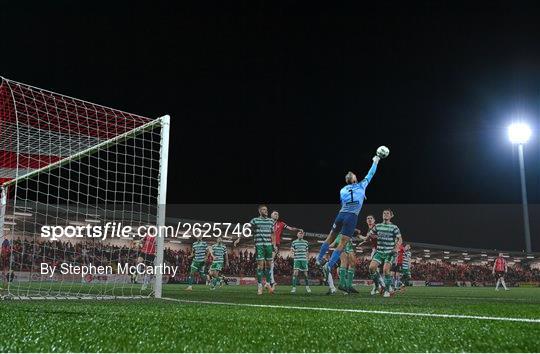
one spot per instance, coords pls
(67, 162)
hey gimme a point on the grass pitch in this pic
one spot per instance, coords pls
(234, 318)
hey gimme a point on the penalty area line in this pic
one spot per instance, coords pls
(380, 312)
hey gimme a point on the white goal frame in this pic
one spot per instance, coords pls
(164, 123)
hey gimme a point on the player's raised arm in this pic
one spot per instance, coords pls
(382, 152)
(293, 229)
(371, 171)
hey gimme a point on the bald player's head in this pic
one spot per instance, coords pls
(350, 178)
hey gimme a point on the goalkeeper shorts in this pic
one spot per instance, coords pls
(345, 224)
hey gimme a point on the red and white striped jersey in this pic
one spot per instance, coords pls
(500, 264)
(149, 245)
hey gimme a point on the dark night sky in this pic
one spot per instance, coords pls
(275, 102)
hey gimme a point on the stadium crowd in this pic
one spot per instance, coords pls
(27, 255)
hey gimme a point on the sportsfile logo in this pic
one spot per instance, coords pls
(119, 230)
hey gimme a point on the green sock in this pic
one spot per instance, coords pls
(387, 282)
(406, 280)
(259, 275)
(268, 276)
(342, 277)
(306, 279)
(350, 278)
(190, 279)
(375, 277)
(294, 281)
(215, 281)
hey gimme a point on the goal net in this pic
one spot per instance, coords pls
(67, 169)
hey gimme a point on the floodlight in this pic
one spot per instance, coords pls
(519, 133)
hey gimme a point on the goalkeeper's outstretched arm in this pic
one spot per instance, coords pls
(372, 170)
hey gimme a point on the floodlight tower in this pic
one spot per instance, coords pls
(520, 133)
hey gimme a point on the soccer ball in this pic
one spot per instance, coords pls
(383, 152)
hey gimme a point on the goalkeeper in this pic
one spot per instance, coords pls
(352, 197)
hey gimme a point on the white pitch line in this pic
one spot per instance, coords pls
(476, 298)
(395, 313)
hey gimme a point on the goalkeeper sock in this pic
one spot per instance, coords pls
(259, 275)
(350, 278)
(333, 260)
(294, 281)
(324, 248)
(342, 276)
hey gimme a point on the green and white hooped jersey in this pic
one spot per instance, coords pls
(219, 250)
(300, 249)
(262, 230)
(200, 248)
(406, 260)
(386, 237)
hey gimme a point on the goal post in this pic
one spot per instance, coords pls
(162, 201)
(2, 211)
(67, 164)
